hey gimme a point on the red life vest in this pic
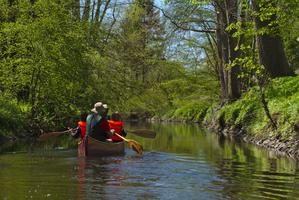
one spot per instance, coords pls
(118, 127)
(82, 126)
(104, 125)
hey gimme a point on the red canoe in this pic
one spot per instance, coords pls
(93, 147)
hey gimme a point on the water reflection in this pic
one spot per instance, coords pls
(182, 162)
(112, 177)
(245, 171)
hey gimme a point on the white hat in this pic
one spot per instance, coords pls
(105, 106)
(97, 107)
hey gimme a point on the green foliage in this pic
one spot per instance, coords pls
(44, 62)
(59, 65)
(185, 98)
(194, 111)
(290, 15)
(55, 65)
(243, 110)
(142, 44)
(11, 115)
(282, 96)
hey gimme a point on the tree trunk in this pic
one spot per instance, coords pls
(261, 84)
(97, 16)
(86, 10)
(233, 89)
(270, 46)
(76, 9)
(104, 12)
(221, 64)
(226, 12)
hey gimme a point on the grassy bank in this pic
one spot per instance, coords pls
(282, 96)
(185, 99)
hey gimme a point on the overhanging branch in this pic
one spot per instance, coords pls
(179, 26)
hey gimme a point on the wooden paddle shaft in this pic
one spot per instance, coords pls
(121, 137)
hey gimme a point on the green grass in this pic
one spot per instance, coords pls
(282, 95)
(188, 111)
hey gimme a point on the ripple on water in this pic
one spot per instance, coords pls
(162, 175)
(246, 181)
(181, 163)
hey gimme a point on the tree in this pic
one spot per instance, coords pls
(194, 17)
(269, 42)
(142, 40)
(86, 11)
(226, 12)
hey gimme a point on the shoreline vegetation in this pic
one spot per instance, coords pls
(230, 66)
(245, 120)
(242, 120)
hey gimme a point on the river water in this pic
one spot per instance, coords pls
(182, 162)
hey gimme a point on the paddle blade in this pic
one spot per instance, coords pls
(46, 136)
(143, 133)
(135, 146)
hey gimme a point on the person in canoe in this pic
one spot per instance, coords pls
(106, 111)
(117, 125)
(81, 128)
(97, 125)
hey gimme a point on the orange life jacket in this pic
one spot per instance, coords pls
(118, 127)
(82, 126)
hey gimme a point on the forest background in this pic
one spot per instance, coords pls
(209, 61)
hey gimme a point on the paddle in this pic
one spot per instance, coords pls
(50, 135)
(143, 133)
(132, 144)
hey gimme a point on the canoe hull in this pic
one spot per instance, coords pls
(82, 147)
(95, 148)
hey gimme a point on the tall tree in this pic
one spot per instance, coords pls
(269, 42)
(142, 39)
(226, 14)
(76, 8)
(86, 10)
(98, 8)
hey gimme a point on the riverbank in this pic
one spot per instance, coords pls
(272, 140)
(17, 121)
(245, 119)
(12, 119)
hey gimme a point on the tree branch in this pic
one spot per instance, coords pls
(176, 24)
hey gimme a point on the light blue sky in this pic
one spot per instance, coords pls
(159, 3)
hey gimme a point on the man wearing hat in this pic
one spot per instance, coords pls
(97, 125)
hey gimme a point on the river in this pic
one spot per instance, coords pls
(182, 162)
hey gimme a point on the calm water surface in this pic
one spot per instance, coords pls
(182, 162)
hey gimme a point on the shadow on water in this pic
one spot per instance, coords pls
(182, 162)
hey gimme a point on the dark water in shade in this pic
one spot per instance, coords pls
(182, 162)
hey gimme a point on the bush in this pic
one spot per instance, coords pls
(12, 118)
(194, 111)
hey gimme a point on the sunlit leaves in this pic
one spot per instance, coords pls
(200, 2)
